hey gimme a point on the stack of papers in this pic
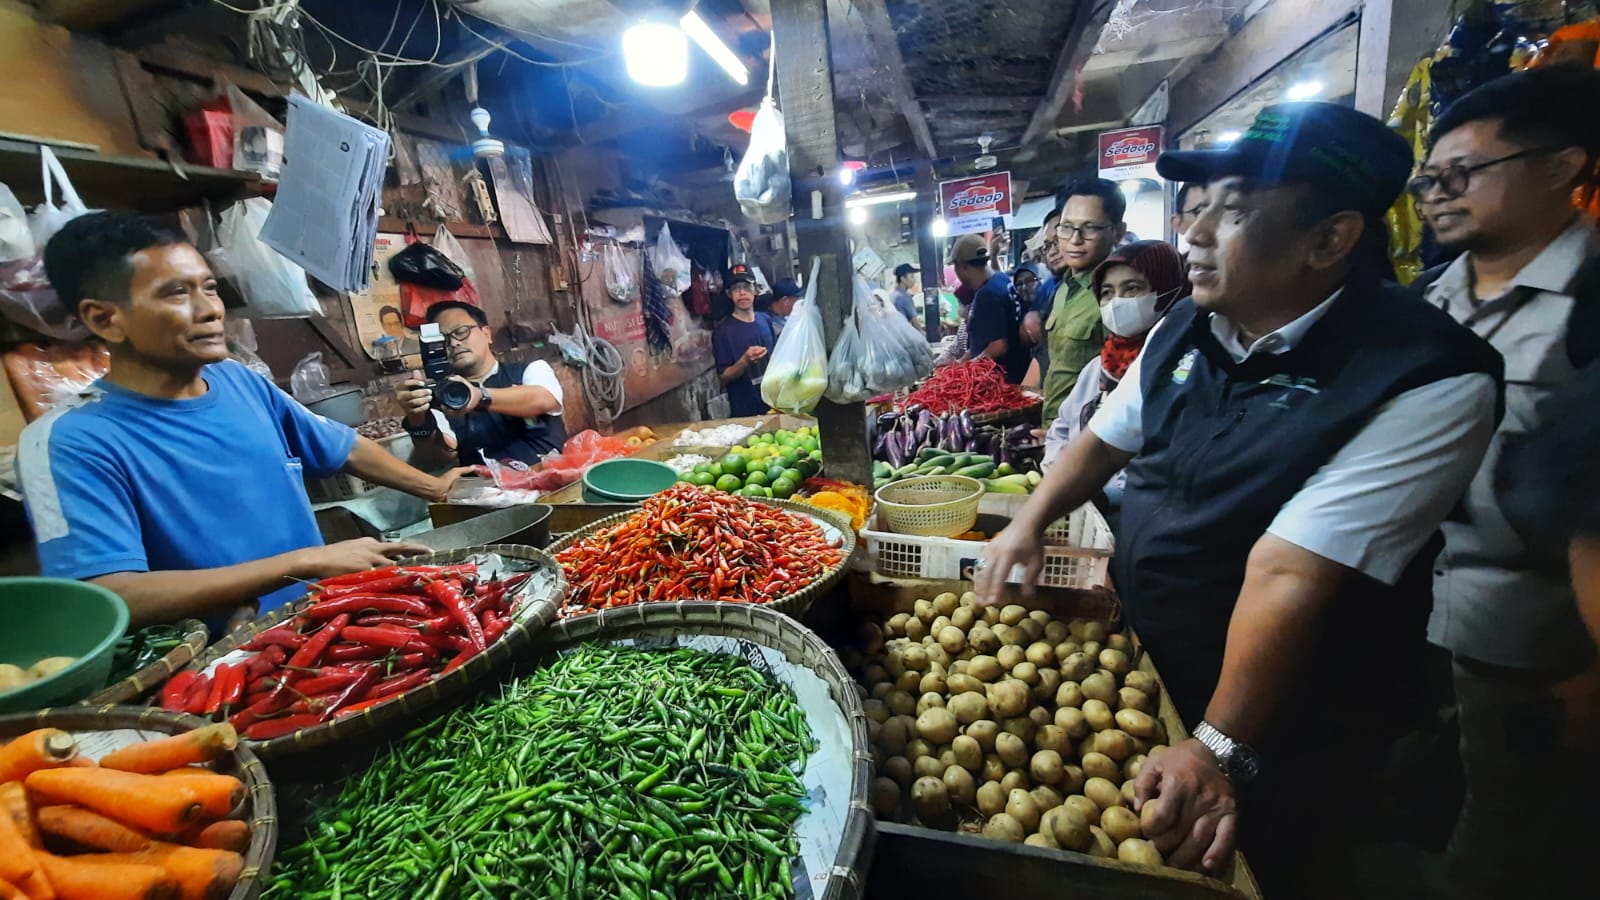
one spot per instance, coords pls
(325, 217)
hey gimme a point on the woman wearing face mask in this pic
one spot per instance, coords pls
(1136, 284)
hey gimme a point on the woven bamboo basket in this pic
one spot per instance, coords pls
(541, 600)
(796, 604)
(846, 877)
(141, 723)
(136, 686)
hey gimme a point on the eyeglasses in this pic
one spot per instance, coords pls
(1454, 180)
(1193, 212)
(460, 335)
(1087, 232)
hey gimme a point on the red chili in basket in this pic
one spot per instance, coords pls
(355, 604)
(308, 655)
(394, 637)
(448, 595)
(268, 729)
(176, 689)
(977, 386)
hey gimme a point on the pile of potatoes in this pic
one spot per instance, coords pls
(1011, 723)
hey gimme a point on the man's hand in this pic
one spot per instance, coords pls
(1032, 328)
(358, 555)
(1016, 545)
(755, 353)
(447, 482)
(416, 398)
(1196, 819)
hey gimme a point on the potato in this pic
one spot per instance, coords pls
(896, 626)
(12, 677)
(994, 768)
(1045, 766)
(939, 659)
(991, 615)
(1002, 827)
(1047, 797)
(969, 753)
(961, 683)
(1073, 722)
(927, 766)
(969, 599)
(1099, 687)
(1068, 826)
(908, 680)
(946, 603)
(1139, 852)
(1143, 682)
(1120, 642)
(1025, 672)
(966, 654)
(917, 748)
(1104, 794)
(1021, 726)
(1133, 698)
(956, 667)
(892, 735)
(946, 755)
(1099, 765)
(960, 785)
(900, 703)
(1098, 715)
(1021, 806)
(1134, 766)
(1077, 666)
(1049, 684)
(916, 629)
(984, 732)
(1136, 723)
(1083, 806)
(937, 625)
(1012, 750)
(1095, 631)
(1042, 839)
(1031, 631)
(1148, 813)
(1001, 630)
(1114, 743)
(1040, 717)
(1042, 616)
(930, 798)
(934, 683)
(1092, 649)
(899, 768)
(929, 701)
(1115, 660)
(1130, 792)
(1072, 779)
(883, 690)
(1120, 823)
(982, 639)
(1065, 649)
(1053, 737)
(1013, 614)
(1015, 780)
(1009, 698)
(952, 639)
(885, 797)
(876, 710)
(914, 658)
(925, 610)
(962, 618)
(875, 674)
(937, 725)
(968, 708)
(985, 668)
(1070, 694)
(1055, 631)
(1040, 654)
(1075, 628)
(1009, 656)
(1141, 747)
(1015, 636)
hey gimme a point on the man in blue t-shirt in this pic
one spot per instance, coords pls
(992, 329)
(740, 344)
(176, 480)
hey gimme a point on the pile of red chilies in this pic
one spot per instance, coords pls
(367, 637)
(687, 543)
(977, 386)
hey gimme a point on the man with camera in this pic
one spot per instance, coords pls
(477, 406)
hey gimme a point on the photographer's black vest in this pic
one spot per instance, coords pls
(1227, 444)
(497, 436)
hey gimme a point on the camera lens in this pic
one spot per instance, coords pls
(453, 394)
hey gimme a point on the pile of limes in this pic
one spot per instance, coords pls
(768, 465)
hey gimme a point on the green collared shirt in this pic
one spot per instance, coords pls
(1074, 335)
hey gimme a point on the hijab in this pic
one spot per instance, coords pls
(1161, 266)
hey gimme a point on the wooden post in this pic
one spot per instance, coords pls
(930, 250)
(805, 93)
(1394, 36)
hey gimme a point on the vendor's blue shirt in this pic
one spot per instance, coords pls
(116, 481)
(729, 340)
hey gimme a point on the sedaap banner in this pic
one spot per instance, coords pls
(1130, 152)
(970, 205)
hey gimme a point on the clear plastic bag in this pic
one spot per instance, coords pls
(847, 382)
(446, 243)
(44, 376)
(621, 285)
(271, 285)
(27, 299)
(670, 264)
(309, 380)
(761, 184)
(47, 217)
(916, 346)
(16, 240)
(797, 376)
(887, 363)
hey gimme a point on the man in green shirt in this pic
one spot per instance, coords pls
(1090, 226)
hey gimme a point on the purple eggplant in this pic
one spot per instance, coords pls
(880, 448)
(896, 449)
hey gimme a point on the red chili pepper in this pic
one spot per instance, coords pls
(176, 689)
(327, 681)
(264, 663)
(394, 637)
(391, 571)
(399, 684)
(268, 729)
(448, 595)
(459, 659)
(355, 604)
(354, 692)
(404, 583)
(354, 652)
(438, 623)
(494, 626)
(221, 676)
(233, 692)
(194, 702)
(416, 659)
(453, 642)
(260, 709)
(308, 655)
(281, 635)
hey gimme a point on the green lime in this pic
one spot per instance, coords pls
(775, 471)
(788, 458)
(703, 469)
(729, 483)
(794, 474)
(733, 464)
(757, 478)
(752, 440)
(702, 479)
(768, 438)
(816, 453)
(783, 488)
(807, 467)
(754, 490)
(809, 443)
(716, 470)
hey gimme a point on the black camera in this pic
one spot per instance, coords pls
(447, 393)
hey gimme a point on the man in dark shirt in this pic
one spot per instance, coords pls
(740, 343)
(996, 310)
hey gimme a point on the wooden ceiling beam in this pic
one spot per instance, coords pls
(875, 18)
(1083, 32)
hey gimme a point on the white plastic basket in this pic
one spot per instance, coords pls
(1077, 553)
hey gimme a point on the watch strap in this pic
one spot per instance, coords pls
(1237, 761)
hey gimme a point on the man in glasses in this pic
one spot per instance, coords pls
(515, 410)
(1498, 184)
(1190, 196)
(1088, 229)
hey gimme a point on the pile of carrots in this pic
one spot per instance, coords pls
(149, 821)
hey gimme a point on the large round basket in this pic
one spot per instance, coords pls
(99, 731)
(833, 525)
(147, 679)
(541, 599)
(659, 624)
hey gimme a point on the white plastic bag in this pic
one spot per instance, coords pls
(887, 364)
(446, 243)
(761, 185)
(16, 241)
(27, 299)
(671, 266)
(797, 376)
(47, 217)
(909, 337)
(847, 381)
(271, 285)
(309, 380)
(621, 285)
(257, 137)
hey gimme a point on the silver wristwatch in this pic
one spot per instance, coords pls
(1238, 761)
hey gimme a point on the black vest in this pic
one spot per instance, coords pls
(491, 434)
(1227, 444)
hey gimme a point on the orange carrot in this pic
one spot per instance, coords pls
(46, 748)
(90, 829)
(198, 746)
(147, 802)
(228, 834)
(76, 878)
(14, 806)
(82, 762)
(198, 874)
(218, 794)
(16, 857)
(9, 891)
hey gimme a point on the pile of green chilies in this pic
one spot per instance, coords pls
(610, 772)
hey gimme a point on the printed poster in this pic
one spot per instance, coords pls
(970, 205)
(1128, 153)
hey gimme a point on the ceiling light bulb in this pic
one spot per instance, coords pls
(858, 215)
(847, 176)
(1228, 137)
(657, 54)
(1304, 90)
(941, 228)
(696, 28)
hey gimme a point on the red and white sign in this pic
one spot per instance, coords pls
(1130, 152)
(970, 205)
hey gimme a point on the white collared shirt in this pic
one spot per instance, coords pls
(1380, 497)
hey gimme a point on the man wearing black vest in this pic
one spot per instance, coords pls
(1293, 435)
(515, 410)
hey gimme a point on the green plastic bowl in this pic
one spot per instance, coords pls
(48, 617)
(626, 480)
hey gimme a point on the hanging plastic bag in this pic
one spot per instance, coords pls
(847, 381)
(887, 364)
(423, 264)
(16, 240)
(915, 345)
(446, 243)
(27, 299)
(620, 283)
(797, 376)
(271, 285)
(44, 376)
(257, 137)
(309, 380)
(47, 217)
(761, 184)
(242, 346)
(670, 264)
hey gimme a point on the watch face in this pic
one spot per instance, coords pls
(1244, 765)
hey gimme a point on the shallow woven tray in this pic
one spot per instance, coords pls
(794, 604)
(242, 763)
(759, 625)
(544, 595)
(136, 686)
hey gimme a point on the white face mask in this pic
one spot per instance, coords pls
(1129, 316)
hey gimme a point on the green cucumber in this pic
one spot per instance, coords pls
(1004, 469)
(977, 470)
(1018, 480)
(1004, 487)
(1034, 478)
(927, 453)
